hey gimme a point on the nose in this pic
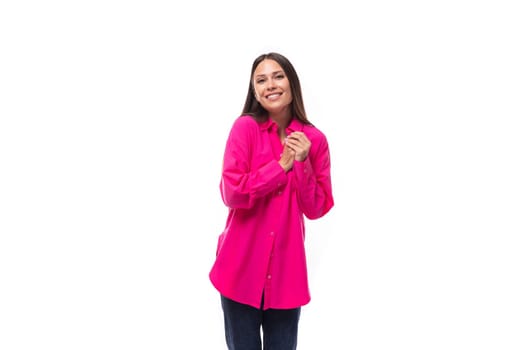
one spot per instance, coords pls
(270, 84)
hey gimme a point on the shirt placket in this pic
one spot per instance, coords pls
(277, 148)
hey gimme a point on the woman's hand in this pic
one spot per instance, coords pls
(299, 144)
(287, 158)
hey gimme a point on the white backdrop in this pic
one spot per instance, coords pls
(114, 116)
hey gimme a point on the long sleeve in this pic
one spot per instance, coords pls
(244, 180)
(314, 180)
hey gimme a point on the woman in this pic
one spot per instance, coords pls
(276, 171)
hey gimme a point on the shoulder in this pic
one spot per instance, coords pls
(245, 122)
(244, 126)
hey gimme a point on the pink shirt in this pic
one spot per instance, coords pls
(262, 245)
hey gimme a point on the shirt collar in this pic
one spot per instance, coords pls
(295, 125)
(269, 124)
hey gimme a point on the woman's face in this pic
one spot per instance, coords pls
(271, 86)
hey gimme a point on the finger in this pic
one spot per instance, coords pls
(288, 150)
(299, 136)
(293, 143)
(295, 135)
(296, 148)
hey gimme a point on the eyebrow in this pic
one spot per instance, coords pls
(273, 73)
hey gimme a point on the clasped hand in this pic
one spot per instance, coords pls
(296, 147)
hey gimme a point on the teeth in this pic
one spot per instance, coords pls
(273, 96)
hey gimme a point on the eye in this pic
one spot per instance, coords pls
(279, 76)
(260, 81)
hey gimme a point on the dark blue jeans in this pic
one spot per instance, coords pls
(243, 324)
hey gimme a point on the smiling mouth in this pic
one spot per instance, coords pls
(273, 96)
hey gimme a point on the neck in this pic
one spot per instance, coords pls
(281, 119)
(282, 123)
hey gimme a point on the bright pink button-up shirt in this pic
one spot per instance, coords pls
(262, 246)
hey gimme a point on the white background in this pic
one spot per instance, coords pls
(114, 116)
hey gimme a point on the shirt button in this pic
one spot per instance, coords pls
(280, 192)
(269, 277)
(272, 233)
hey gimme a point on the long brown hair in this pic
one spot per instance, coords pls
(253, 107)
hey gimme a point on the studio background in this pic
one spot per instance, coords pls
(114, 117)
